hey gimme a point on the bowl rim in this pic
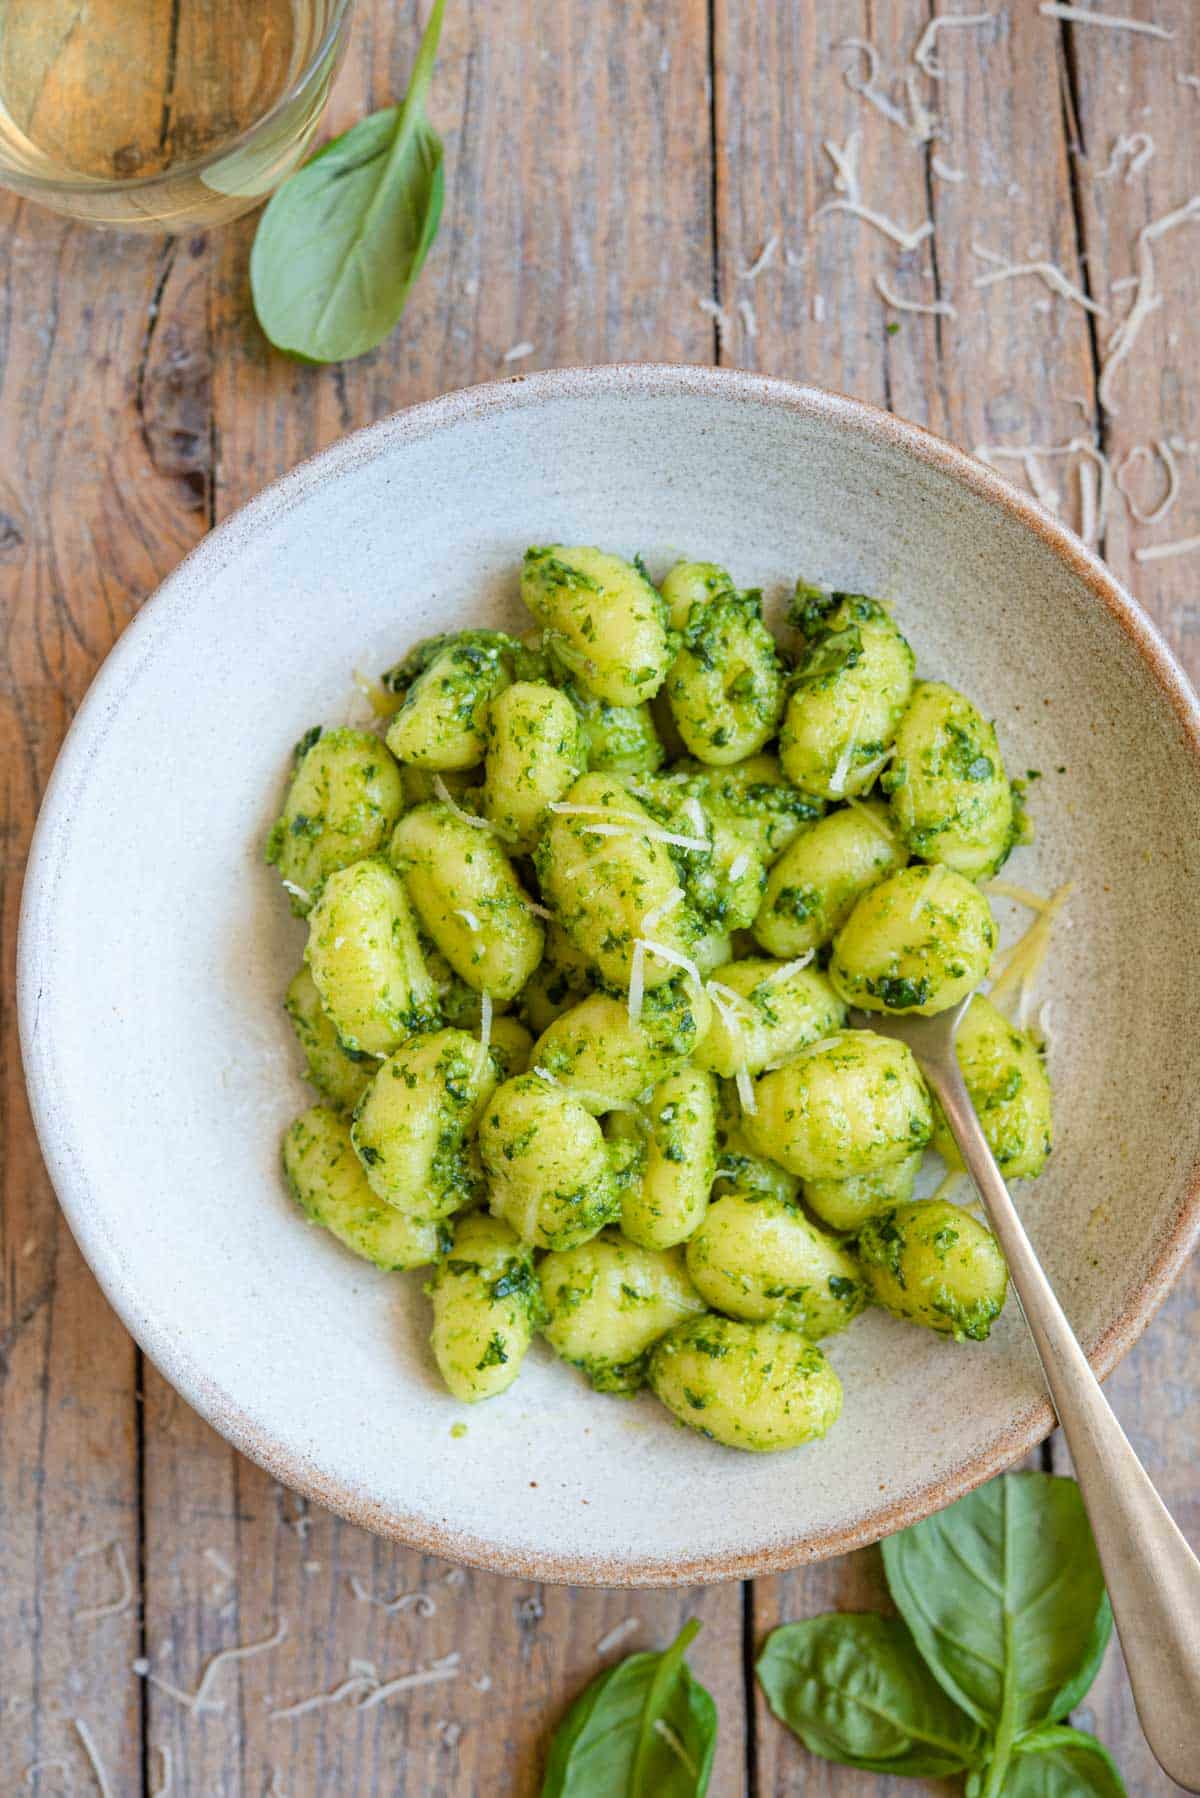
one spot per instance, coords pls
(289, 1463)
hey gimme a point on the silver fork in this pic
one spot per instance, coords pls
(1153, 1577)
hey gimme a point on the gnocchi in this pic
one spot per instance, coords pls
(585, 926)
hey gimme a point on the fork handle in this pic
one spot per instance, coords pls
(1153, 1577)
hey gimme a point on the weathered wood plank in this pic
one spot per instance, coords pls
(95, 508)
(818, 314)
(1121, 84)
(589, 242)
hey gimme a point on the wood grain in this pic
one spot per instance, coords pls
(608, 236)
(610, 167)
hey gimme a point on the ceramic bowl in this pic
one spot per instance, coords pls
(155, 947)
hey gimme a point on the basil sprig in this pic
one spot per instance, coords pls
(1003, 1624)
(645, 1728)
(342, 241)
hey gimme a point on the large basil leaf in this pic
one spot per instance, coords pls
(855, 1690)
(1062, 1763)
(1005, 1599)
(341, 243)
(645, 1728)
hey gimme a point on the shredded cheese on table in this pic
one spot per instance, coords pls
(717, 313)
(93, 1754)
(1166, 455)
(1133, 149)
(1162, 552)
(924, 53)
(617, 1635)
(1146, 296)
(1083, 15)
(845, 162)
(866, 86)
(124, 1598)
(930, 308)
(762, 260)
(1007, 889)
(1048, 272)
(944, 172)
(519, 351)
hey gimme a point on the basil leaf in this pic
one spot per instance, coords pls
(645, 1728)
(1056, 1762)
(1005, 1599)
(855, 1690)
(342, 241)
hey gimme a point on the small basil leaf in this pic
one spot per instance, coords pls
(645, 1728)
(1005, 1599)
(1056, 1762)
(855, 1690)
(342, 241)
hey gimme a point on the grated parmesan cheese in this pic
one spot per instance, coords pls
(1162, 552)
(637, 981)
(519, 351)
(165, 1784)
(539, 911)
(1020, 965)
(946, 1184)
(1007, 889)
(1048, 272)
(745, 1092)
(618, 1634)
(446, 1668)
(866, 87)
(877, 824)
(944, 172)
(447, 798)
(124, 1598)
(818, 308)
(1166, 455)
(485, 1033)
(1083, 15)
(748, 317)
(844, 158)
(738, 865)
(1134, 150)
(717, 313)
(381, 702)
(789, 968)
(301, 893)
(934, 308)
(762, 260)
(93, 1754)
(924, 52)
(468, 917)
(656, 915)
(35, 1767)
(1146, 297)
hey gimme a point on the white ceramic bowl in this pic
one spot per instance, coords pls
(155, 946)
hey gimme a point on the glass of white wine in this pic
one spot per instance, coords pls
(162, 115)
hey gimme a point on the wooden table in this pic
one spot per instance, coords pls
(612, 164)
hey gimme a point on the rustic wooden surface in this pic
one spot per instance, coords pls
(610, 166)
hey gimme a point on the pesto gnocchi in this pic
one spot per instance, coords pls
(587, 910)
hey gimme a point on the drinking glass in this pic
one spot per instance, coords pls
(161, 115)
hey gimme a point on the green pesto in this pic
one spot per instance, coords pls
(818, 880)
(618, 739)
(605, 1060)
(766, 1012)
(608, 1301)
(936, 1265)
(364, 955)
(760, 1258)
(755, 1386)
(920, 940)
(327, 1181)
(560, 980)
(1010, 1089)
(845, 699)
(412, 1126)
(469, 900)
(343, 802)
(845, 1106)
(726, 684)
(601, 886)
(846, 1204)
(689, 585)
(535, 754)
(950, 796)
(443, 720)
(547, 1164)
(486, 1306)
(602, 618)
(339, 1074)
(665, 1205)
